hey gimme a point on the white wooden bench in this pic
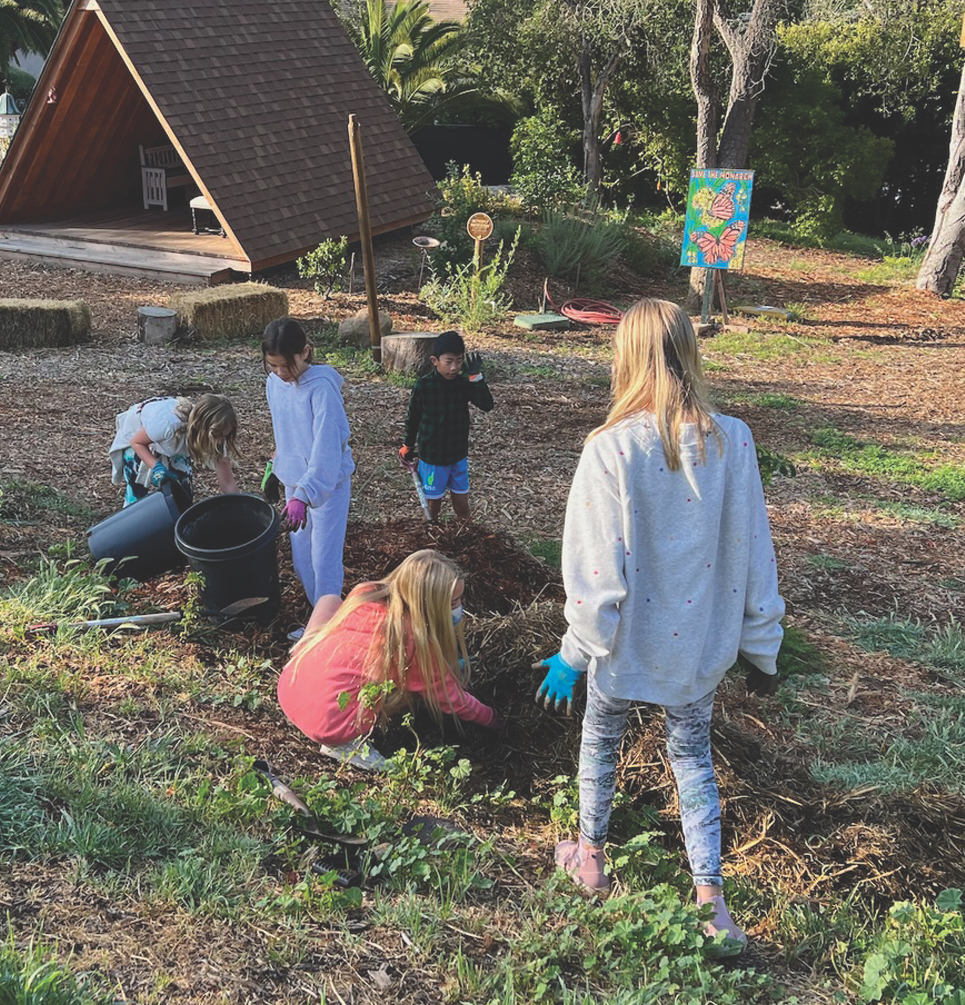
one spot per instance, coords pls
(161, 169)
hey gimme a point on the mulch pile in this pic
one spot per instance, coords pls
(500, 576)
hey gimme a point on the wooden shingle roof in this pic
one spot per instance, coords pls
(256, 96)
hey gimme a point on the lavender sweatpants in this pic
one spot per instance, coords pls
(688, 746)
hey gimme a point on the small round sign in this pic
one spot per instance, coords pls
(479, 226)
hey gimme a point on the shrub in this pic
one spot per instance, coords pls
(327, 265)
(543, 171)
(578, 243)
(230, 311)
(43, 322)
(472, 299)
(460, 194)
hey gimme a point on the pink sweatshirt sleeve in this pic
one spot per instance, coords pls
(463, 705)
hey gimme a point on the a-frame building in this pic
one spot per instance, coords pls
(252, 95)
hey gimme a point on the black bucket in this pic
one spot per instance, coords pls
(139, 539)
(232, 540)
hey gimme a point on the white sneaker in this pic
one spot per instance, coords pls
(296, 633)
(356, 753)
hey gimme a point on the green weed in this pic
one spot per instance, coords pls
(549, 550)
(759, 345)
(919, 957)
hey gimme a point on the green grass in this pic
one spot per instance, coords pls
(828, 562)
(918, 514)
(942, 649)
(24, 501)
(34, 976)
(891, 269)
(761, 346)
(781, 402)
(908, 467)
(549, 550)
(859, 245)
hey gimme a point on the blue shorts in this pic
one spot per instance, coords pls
(437, 478)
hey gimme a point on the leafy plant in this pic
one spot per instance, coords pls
(460, 194)
(469, 298)
(326, 265)
(919, 958)
(579, 242)
(544, 173)
(771, 463)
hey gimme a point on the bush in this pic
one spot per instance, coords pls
(43, 322)
(327, 265)
(543, 171)
(230, 311)
(469, 299)
(577, 243)
(460, 194)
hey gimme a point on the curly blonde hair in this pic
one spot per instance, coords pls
(210, 428)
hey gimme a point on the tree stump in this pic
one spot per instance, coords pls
(408, 352)
(156, 325)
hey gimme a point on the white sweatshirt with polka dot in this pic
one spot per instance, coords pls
(668, 574)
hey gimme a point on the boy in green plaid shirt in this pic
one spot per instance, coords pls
(438, 421)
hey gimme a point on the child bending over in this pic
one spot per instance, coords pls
(161, 439)
(403, 635)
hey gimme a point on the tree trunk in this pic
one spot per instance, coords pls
(705, 91)
(942, 262)
(592, 92)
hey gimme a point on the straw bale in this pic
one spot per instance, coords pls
(25, 323)
(237, 311)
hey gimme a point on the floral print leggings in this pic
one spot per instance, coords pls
(688, 746)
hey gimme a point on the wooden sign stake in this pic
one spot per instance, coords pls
(365, 234)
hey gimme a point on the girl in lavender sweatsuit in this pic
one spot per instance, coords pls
(670, 577)
(312, 457)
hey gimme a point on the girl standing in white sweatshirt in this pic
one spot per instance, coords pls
(312, 456)
(670, 576)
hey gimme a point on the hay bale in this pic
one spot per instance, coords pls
(236, 311)
(26, 323)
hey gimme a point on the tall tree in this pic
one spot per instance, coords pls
(27, 26)
(943, 260)
(750, 40)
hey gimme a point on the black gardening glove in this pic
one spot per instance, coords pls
(759, 683)
(270, 485)
(473, 365)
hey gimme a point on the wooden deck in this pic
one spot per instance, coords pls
(128, 241)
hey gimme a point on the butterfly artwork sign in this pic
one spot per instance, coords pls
(715, 229)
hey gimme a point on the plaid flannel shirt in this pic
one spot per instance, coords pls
(438, 416)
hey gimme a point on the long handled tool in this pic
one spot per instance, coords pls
(141, 620)
(419, 491)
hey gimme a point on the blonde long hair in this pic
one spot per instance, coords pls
(656, 368)
(210, 428)
(417, 595)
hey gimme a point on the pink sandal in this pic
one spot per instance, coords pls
(584, 864)
(735, 938)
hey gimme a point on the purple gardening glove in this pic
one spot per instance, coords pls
(295, 515)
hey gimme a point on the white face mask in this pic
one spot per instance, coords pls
(456, 615)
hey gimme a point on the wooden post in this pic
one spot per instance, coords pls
(709, 282)
(721, 294)
(365, 233)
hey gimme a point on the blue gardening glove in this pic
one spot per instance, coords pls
(160, 475)
(557, 686)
